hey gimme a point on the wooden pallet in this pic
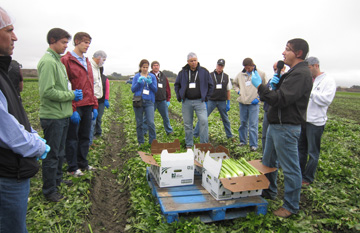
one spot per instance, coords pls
(194, 201)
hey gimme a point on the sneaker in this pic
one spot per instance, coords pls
(241, 144)
(54, 197)
(76, 173)
(88, 168)
(282, 212)
(253, 148)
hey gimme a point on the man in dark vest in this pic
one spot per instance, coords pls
(20, 145)
(220, 98)
(16, 76)
(162, 98)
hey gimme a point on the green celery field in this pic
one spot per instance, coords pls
(117, 197)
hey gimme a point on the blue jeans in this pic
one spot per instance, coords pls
(96, 124)
(221, 106)
(147, 109)
(188, 108)
(162, 107)
(309, 144)
(55, 133)
(78, 138)
(282, 147)
(264, 130)
(249, 115)
(13, 204)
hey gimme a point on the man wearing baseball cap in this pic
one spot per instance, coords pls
(220, 97)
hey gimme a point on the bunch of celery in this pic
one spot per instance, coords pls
(157, 159)
(235, 168)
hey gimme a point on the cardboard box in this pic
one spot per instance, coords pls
(176, 169)
(235, 187)
(201, 149)
(171, 147)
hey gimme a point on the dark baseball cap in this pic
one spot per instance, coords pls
(221, 62)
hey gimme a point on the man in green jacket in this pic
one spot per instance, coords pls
(55, 109)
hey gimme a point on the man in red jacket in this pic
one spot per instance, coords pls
(80, 74)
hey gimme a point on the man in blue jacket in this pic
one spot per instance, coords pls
(193, 87)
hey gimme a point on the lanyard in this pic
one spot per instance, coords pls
(318, 83)
(222, 77)
(195, 76)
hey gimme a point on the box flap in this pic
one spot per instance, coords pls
(245, 183)
(177, 159)
(200, 150)
(147, 158)
(172, 147)
(260, 167)
(212, 165)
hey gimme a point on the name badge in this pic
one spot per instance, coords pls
(247, 83)
(219, 86)
(146, 92)
(192, 85)
(160, 85)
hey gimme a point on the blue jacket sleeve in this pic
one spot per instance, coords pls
(210, 87)
(15, 137)
(153, 85)
(135, 86)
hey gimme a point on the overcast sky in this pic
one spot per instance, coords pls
(167, 31)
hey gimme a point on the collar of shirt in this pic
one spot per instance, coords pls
(82, 60)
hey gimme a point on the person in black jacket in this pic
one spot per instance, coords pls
(20, 145)
(288, 101)
(193, 87)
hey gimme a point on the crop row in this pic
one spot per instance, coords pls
(330, 204)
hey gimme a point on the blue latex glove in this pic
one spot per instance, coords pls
(227, 105)
(141, 79)
(95, 114)
(255, 101)
(275, 80)
(75, 118)
(168, 103)
(43, 156)
(78, 95)
(107, 104)
(255, 79)
(206, 105)
(149, 80)
(238, 92)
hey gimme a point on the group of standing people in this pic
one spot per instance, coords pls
(295, 106)
(73, 95)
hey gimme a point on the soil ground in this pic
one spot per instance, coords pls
(109, 204)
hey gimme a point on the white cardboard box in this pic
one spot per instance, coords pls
(235, 187)
(201, 149)
(176, 169)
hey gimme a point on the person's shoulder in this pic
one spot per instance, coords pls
(67, 56)
(152, 75)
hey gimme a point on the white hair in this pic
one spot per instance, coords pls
(99, 53)
(312, 61)
(191, 55)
